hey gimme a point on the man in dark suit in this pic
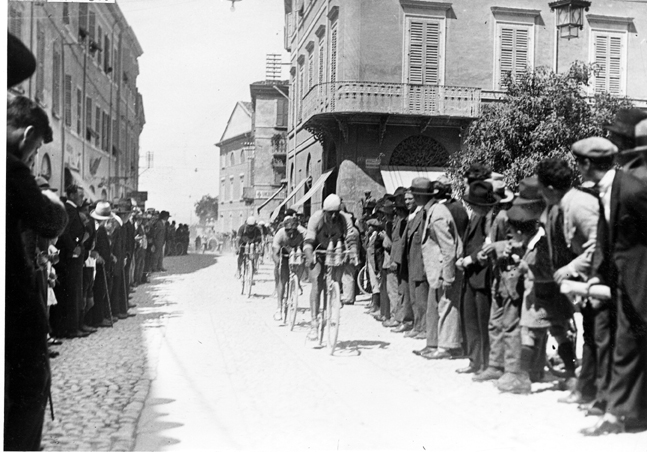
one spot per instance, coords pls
(476, 296)
(100, 314)
(624, 132)
(27, 373)
(619, 262)
(66, 318)
(405, 314)
(412, 255)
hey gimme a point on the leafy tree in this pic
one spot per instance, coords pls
(207, 208)
(541, 115)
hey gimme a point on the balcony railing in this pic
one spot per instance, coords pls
(391, 98)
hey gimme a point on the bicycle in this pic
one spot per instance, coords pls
(248, 269)
(329, 315)
(290, 301)
(363, 280)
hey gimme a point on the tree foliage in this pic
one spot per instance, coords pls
(207, 208)
(541, 115)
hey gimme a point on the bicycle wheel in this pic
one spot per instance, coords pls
(363, 281)
(293, 300)
(249, 271)
(322, 317)
(243, 277)
(334, 316)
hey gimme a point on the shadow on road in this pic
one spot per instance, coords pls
(153, 429)
(356, 347)
(191, 263)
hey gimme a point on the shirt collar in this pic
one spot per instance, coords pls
(605, 183)
(536, 238)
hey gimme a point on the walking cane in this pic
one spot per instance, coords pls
(123, 277)
(51, 403)
(105, 281)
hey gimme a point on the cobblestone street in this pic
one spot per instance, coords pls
(202, 367)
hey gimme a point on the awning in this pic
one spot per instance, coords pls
(401, 176)
(294, 191)
(315, 188)
(84, 185)
(258, 209)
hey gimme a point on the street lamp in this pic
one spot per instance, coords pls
(569, 16)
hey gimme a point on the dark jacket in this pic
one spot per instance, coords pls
(27, 208)
(459, 214)
(412, 250)
(478, 275)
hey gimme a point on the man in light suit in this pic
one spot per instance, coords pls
(580, 221)
(412, 257)
(441, 245)
(619, 262)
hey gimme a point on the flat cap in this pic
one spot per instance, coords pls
(594, 148)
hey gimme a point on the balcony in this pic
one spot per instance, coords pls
(391, 98)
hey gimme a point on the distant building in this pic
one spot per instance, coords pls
(382, 90)
(252, 156)
(86, 82)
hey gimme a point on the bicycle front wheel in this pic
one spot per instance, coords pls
(293, 300)
(334, 315)
(363, 281)
(249, 273)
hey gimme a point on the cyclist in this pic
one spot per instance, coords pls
(290, 236)
(247, 233)
(325, 226)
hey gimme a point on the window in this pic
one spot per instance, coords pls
(83, 16)
(79, 111)
(333, 53)
(242, 184)
(88, 119)
(232, 159)
(322, 70)
(92, 23)
(66, 13)
(106, 54)
(99, 36)
(15, 22)
(311, 71)
(105, 123)
(282, 113)
(301, 91)
(97, 127)
(56, 82)
(514, 51)
(242, 156)
(231, 188)
(608, 53)
(425, 51)
(67, 114)
(40, 61)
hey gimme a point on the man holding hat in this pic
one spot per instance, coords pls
(619, 262)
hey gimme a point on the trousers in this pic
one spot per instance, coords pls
(505, 334)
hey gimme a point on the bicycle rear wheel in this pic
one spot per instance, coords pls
(243, 277)
(293, 300)
(334, 315)
(363, 281)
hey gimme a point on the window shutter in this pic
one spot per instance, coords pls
(608, 60)
(311, 70)
(424, 52)
(333, 54)
(88, 118)
(106, 53)
(79, 112)
(91, 24)
(615, 69)
(68, 100)
(321, 64)
(97, 127)
(514, 52)
(56, 82)
(66, 13)
(40, 59)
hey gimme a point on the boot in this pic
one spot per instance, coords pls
(518, 383)
(375, 303)
(567, 353)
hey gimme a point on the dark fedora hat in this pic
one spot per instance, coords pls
(387, 207)
(640, 137)
(625, 121)
(21, 63)
(422, 186)
(528, 192)
(164, 215)
(481, 193)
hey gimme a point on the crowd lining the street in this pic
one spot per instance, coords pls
(492, 275)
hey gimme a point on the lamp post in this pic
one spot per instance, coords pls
(569, 20)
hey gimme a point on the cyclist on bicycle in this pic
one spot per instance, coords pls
(289, 237)
(247, 233)
(325, 226)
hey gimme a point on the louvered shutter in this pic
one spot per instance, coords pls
(514, 52)
(333, 66)
(322, 71)
(56, 82)
(608, 60)
(424, 52)
(91, 24)
(416, 39)
(68, 100)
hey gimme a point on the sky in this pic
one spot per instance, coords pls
(199, 60)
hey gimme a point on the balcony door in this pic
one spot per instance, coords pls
(424, 63)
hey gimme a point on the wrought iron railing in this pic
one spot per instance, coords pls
(391, 98)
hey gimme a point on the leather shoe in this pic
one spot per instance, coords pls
(411, 333)
(402, 328)
(105, 323)
(53, 354)
(88, 329)
(390, 323)
(437, 354)
(115, 319)
(423, 351)
(491, 373)
(466, 370)
(130, 314)
(604, 427)
(122, 316)
(597, 409)
(78, 333)
(421, 335)
(132, 305)
(575, 397)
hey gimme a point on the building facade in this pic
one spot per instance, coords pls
(382, 90)
(253, 156)
(86, 81)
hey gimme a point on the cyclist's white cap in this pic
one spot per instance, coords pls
(332, 203)
(251, 221)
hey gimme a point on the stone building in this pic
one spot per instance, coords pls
(86, 81)
(383, 90)
(252, 156)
